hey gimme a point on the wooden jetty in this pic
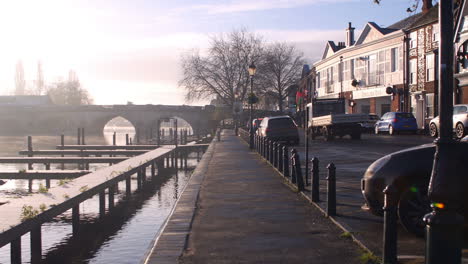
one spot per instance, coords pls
(83, 152)
(108, 147)
(42, 174)
(50, 160)
(59, 199)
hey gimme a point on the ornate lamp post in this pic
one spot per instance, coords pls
(252, 100)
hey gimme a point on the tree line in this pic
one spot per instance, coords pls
(64, 92)
(221, 71)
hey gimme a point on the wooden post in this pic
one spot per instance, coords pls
(78, 137)
(30, 183)
(127, 142)
(143, 174)
(114, 139)
(75, 219)
(82, 136)
(111, 197)
(30, 149)
(62, 142)
(102, 204)
(139, 180)
(36, 245)
(15, 251)
(128, 186)
(153, 170)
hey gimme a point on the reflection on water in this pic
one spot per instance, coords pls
(121, 237)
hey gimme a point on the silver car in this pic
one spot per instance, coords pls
(460, 122)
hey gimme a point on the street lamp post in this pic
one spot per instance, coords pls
(252, 70)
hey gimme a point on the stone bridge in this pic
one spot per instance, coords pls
(56, 120)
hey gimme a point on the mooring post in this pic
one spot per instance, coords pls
(102, 204)
(83, 136)
(75, 219)
(286, 161)
(62, 143)
(293, 170)
(331, 190)
(78, 137)
(36, 245)
(139, 180)
(297, 170)
(111, 197)
(30, 149)
(153, 169)
(114, 138)
(126, 140)
(30, 184)
(143, 175)
(15, 251)
(389, 255)
(315, 192)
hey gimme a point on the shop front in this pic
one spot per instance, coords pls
(372, 101)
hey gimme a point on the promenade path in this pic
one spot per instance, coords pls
(246, 214)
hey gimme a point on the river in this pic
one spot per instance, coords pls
(124, 236)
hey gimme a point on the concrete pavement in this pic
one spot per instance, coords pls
(245, 214)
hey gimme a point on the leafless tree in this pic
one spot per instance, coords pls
(426, 4)
(281, 68)
(222, 72)
(40, 80)
(19, 79)
(69, 92)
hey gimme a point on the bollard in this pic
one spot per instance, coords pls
(271, 151)
(331, 190)
(30, 149)
(280, 158)
(389, 255)
(114, 139)
(315, 192)
(263, 147)
(291, 168)
(296, 162)
(218, 134)
(62, 143)
(126, 140)
(275, 151)
(286, 161)
(267, 149)
(82, 136)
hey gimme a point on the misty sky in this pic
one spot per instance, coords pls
(130, 50)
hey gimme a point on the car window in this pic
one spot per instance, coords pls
(384, 116)
(373, 117)
(281, 122)
(456, 110)
(404, 115)
(462, 110)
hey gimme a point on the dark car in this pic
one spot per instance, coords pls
(369, 124)
(394, 122)
(279, 128)
(410, 171)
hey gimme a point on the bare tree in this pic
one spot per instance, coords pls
(222, 73)
(19, 79)
(427, 4)
(40, 80)
(69, 92)
(281, 68)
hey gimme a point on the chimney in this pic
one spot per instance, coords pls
(427, 4)
(349, 35)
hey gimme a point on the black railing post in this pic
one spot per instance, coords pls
(275, 155)
(298, 170)
(270, 152)
(315, 193)
(390, 225)
(331, 190)
(280, 158)
(293, 171)
(286, 161)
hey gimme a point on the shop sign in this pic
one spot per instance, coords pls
(370, 93)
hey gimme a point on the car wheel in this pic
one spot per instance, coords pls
(433, 130)
(376, 130)
(460, 131)
(391, 130)
(413, 206)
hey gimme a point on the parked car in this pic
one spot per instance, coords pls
(409, 170)
(460, 122)
(394, 122)
(279, 128)
(369, 125)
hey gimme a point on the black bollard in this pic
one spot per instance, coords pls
(331, 190)
(126, 140)
(263, 147)
(296, 162)
(315, 193)
(267, 148)
(286, 161)
(78, 137)
(280, 158)
(389, 255)
(271, 152)
(292, 170)
(275, 156)
(82, 136)
(114, 139)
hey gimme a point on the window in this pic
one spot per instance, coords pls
(318, 79)
(435, 32)
(394, 59)
(372, 70)
(430, 105)
(412, 66)
(413, 40)
(430, 71)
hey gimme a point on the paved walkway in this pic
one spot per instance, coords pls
(245, 214)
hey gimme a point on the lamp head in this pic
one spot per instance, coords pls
(252, 69)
